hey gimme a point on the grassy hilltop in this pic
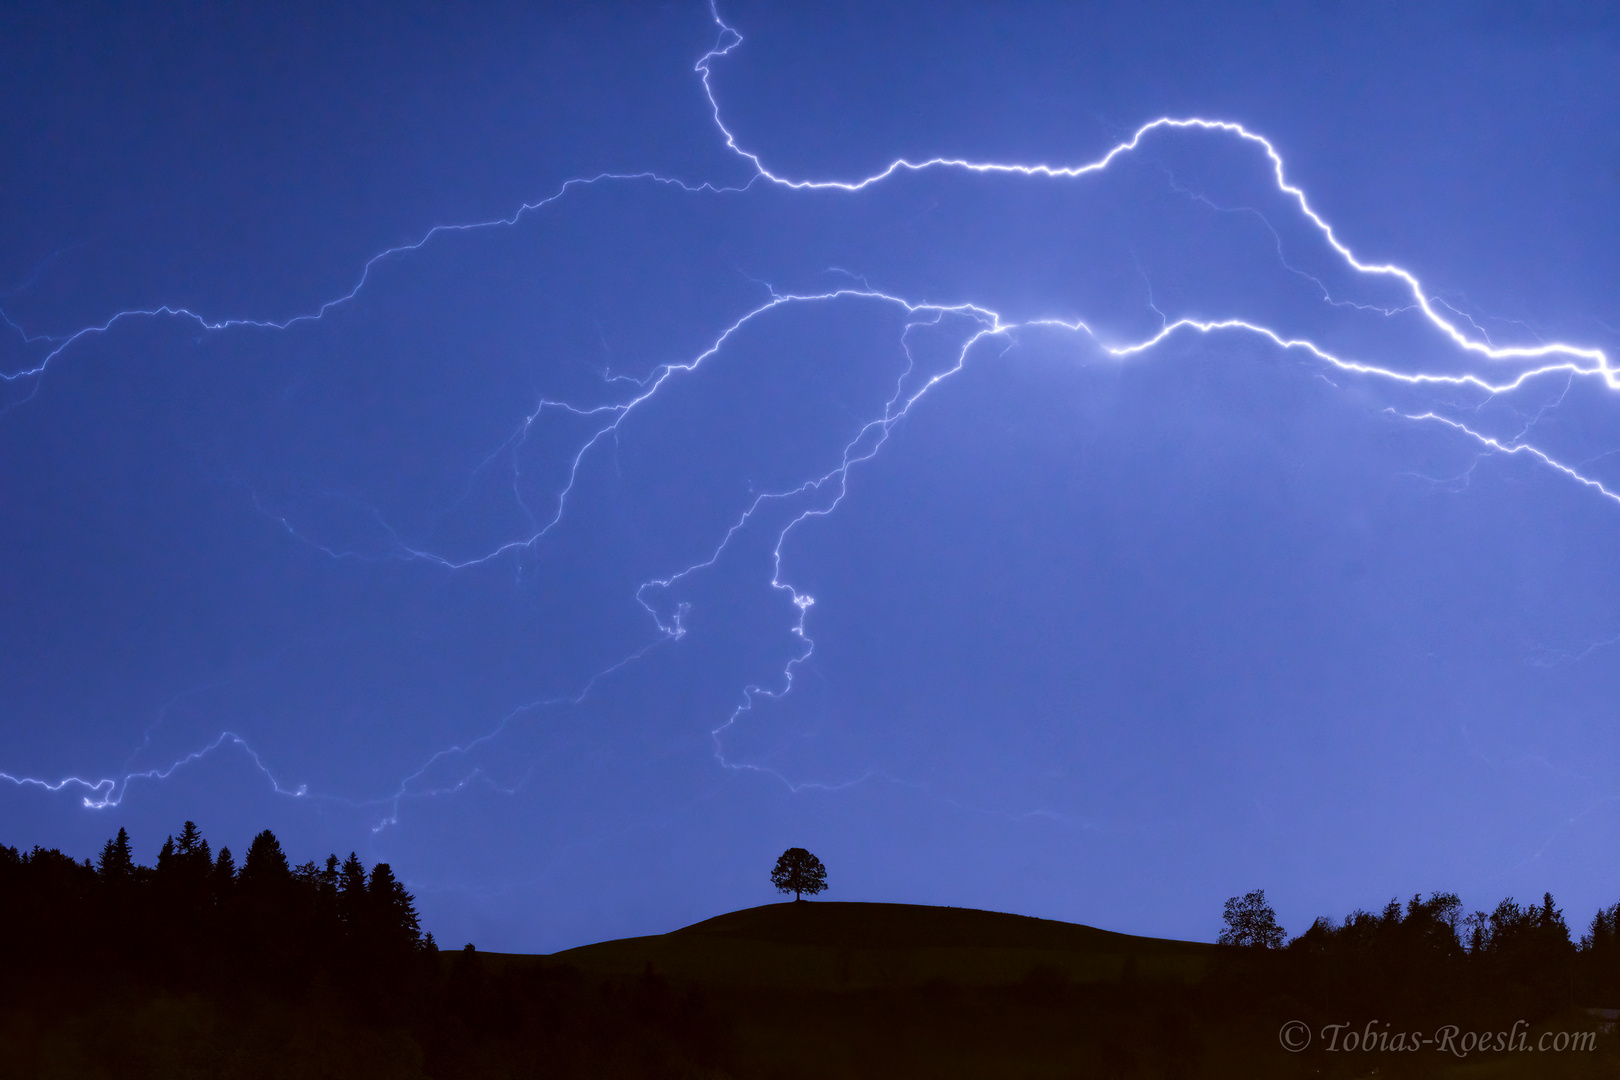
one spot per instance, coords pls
(829, 989)
(828, 945)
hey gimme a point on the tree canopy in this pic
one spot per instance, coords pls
(1251, 922)
(799, 872)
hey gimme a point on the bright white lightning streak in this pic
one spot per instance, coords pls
(730, 39)
(1561, 358)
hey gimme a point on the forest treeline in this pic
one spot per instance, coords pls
(1424, 964)
(200, 965)
(196, 965)
(197, 921)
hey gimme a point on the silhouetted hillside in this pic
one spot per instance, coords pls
(915, 926)
(193, 967)
(881, 990)
(844, 946)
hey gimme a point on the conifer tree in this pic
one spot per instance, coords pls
(352, 892)
(393, 910)
(1603, 935)
(224, 874)
(265, 865)
(189, 840)
(1551, 920)
(117, 862)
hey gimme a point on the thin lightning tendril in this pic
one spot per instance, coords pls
(825, 493)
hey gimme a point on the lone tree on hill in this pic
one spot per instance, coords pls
(798, 871)
(1251, 922)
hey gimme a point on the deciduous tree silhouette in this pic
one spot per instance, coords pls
(798, 872)
(1251, 922)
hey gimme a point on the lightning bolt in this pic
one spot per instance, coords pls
(1505, 369)
(109, 791)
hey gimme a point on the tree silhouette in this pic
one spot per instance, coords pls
(351, 892)
(223, 876)
(264, 868)
(1251, 922)
(190, 843)
(117, 859)
(390, 906)
(797, 872)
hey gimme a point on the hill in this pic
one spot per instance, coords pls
(822, 945)
(880, 990)
(860, 990)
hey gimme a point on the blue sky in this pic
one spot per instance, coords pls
(576, 547)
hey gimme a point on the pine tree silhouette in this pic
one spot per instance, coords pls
(392, 910)
(265, 865)
(165, 859)
(223, 876)
(352, 894)
(117, 862)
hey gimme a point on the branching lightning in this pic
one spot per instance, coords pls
(1505, 369)
(107, 791)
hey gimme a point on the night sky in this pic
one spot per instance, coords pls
(548, 449)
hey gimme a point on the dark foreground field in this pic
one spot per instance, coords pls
(883, 990)
(890, 990)
(812, 990)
